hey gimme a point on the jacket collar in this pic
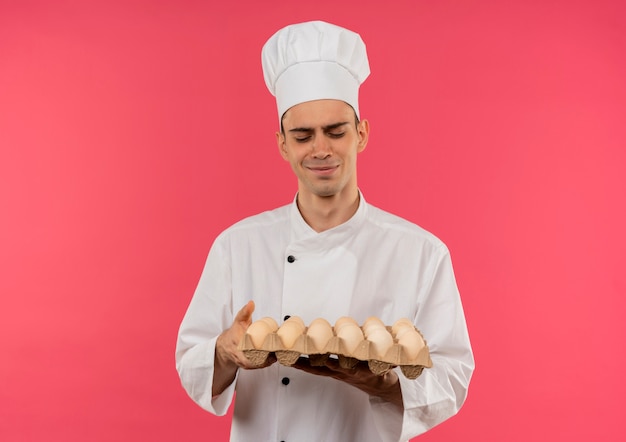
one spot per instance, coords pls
(303, 234)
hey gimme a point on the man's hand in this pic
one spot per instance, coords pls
(386, 386)
(228, 358)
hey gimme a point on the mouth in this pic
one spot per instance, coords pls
(323, 170)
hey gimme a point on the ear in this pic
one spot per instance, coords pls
(363, 130)
(282, 148)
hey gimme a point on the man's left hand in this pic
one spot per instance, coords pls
(385, 386)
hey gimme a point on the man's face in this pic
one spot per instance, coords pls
(321, 140)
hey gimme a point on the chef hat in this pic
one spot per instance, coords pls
(312, 61)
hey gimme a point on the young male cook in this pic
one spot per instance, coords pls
(328, 254)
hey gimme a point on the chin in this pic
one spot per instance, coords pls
(325, 192)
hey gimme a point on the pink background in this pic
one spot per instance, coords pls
(133, 132)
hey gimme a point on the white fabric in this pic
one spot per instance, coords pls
(312, 61)
(376, 264)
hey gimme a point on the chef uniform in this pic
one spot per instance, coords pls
(375, 264)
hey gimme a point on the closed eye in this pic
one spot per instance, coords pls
(336, 134)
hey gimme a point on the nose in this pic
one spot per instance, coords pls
(321, 147)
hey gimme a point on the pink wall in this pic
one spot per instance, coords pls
(133, 132)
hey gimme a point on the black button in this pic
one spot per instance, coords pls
(285, 381)
(286, 317)
(291, 258)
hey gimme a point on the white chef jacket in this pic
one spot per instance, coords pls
(375, 264)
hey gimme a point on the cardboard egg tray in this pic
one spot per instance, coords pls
(395, 356)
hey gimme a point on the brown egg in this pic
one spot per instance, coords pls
(412, 343)
(344, 320)
(372, 323)
(271, 322)
(258, 331)
(373, 328)
(320, 333)
(373, 320)
(351, 335)
(289, 332)
(402, 322)
(400, 331)
(296, 320)
(381, 342)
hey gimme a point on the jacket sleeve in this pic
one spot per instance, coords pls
(209, 313)
(440, 391)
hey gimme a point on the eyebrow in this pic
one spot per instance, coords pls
(324, 128)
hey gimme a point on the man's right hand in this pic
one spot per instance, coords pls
(228, 358)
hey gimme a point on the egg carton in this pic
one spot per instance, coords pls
(396, 356)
